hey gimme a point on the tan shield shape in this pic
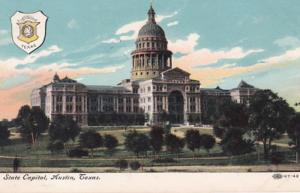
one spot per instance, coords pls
(29, 30)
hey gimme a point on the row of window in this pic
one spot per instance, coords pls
(151, 45)
(69, 98)
(69, 108)
(147, 73)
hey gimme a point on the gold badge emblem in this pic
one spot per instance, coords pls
(29, 30)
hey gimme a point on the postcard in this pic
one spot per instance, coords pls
(149, 96)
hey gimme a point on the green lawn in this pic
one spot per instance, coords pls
(41, 157)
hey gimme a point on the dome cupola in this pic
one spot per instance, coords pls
(151, 56)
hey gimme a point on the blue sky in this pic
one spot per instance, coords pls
(219, 42)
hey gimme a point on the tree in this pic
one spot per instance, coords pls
(90, 139)
(156, 138)
(4, 135)
(122, 164)
(231, 126)
(167, 128)
(55, 146)
(208, 142)
(135, 165)
(174, 144)
(277, 158)
(294, 133)
(269, 118)
(233, 143)
(193, 140)
(137, 142)
(23, 114)
(32, 122)
(63, 128)
(110, 142)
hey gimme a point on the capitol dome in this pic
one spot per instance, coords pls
(151, 28)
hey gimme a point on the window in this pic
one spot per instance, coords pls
(69, 98)
(58, 108)
(69, 108)
(149, 88)
(193, 108)
(58, 98)
(78, 108)
(149, 99)
(135, 109)
(159, 108)
(78, 98)
(192, 99)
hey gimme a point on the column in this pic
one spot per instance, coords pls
(74, 104)
(167, 103)
(157, 60)
(131, 101)
(151, 63)
(117, 104)
(99, 103)
(163, 61)
(196, 104)
(64, 104)
(124, 104)
(53, 103)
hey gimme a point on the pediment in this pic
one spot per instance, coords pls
(175, 73)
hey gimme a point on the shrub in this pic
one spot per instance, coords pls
(122, 164)
(75, 170)
(77, 153)
(277, 158)
(135, 165)
(55, 146)
(164, 160)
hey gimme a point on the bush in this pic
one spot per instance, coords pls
(77, 153)
(55, 146)
(75, 170)
(135, 165)
(277, 158)
(122, 164)
(164, 160)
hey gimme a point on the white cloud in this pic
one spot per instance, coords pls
(204, 56)
(110, 41)
(130, 31)
(73, 24)
(185, 46)
(210, 75)
(8, 67)
(172, 23)
(288, 42)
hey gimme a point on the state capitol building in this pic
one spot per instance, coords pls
(154, 90)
